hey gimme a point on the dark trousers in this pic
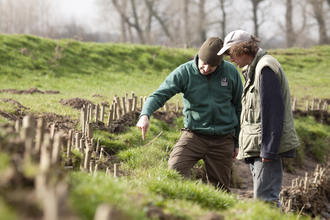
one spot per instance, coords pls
(216, 151)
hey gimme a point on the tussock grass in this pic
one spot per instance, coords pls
(258, 210)
(314, 139)
(98, 189)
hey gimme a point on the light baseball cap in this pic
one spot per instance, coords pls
(234, 37)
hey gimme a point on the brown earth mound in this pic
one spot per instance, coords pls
(17, 114)
(13, 102)
(28, 91)
(245, 189)
(61, 122)
(98, 95)
(320, 116)
(77, 103)
(168, 117)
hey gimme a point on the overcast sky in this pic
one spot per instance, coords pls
(77, 8)
(81, 11)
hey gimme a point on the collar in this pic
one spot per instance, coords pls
(248, 66)
(252, 66)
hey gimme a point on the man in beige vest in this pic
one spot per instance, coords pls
(267, 125)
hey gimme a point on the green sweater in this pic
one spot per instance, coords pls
(211, 107)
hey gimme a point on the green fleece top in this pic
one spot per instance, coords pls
(211, 107)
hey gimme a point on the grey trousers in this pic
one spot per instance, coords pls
(216, 151)
(267, 179)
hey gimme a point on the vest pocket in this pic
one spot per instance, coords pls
(250, 140)
(251, 106)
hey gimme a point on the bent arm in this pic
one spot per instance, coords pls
(171, 86)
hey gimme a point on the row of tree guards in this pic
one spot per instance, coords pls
(29, 146)
(81, 140)
(119, 109)
(124, 108)
(312, 105)
(46, 152)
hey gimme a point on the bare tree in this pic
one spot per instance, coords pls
(201, 21)
(224, 18)
(170, 22)
(113, 23)
(290, 31)
(319, 15)
(139, 16)
(290, 36)
(30, 17)
(256, 23)
(121, 9)
(123, 36)
(186, 21)
(150, 4)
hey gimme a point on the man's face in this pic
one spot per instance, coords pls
(241, 61)
(205, 68)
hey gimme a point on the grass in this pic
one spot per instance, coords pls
(306, 70)
(314, 138)
(81, 70)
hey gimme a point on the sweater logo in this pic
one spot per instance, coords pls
(224, 81)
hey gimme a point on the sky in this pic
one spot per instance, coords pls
(79, 10)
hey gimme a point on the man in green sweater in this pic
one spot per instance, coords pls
(211, 91)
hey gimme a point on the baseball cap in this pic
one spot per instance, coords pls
(208, 51)
(234, 37)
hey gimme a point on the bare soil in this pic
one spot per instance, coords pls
(61, 122)
(76, 103)
(244, 172)
(28, 91)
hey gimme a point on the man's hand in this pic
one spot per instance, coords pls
(235, 152)
(266, 160)
(143, 124)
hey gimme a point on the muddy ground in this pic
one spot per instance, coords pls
(243, 171)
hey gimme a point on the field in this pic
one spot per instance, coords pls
(52, 80)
